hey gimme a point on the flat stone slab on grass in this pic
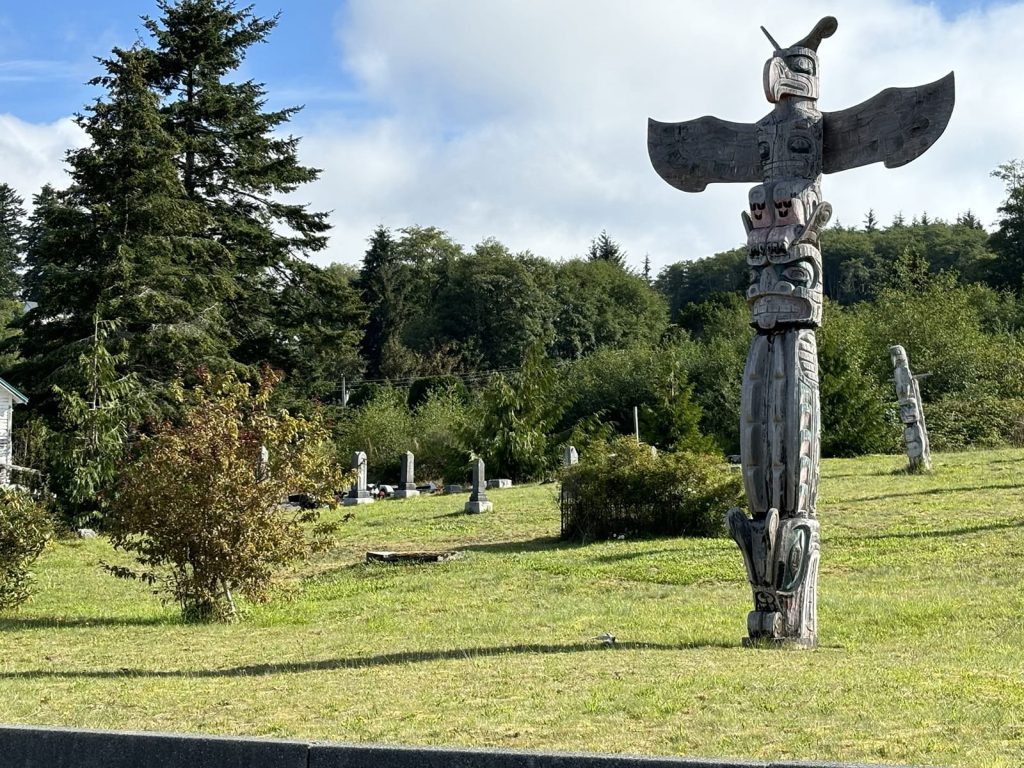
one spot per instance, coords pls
(384, 556)
(499, 482)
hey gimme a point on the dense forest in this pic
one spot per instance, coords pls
(176, 251)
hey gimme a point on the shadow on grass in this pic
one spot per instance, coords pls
(16, 623)
(948, 533)
(634, 555)
(360, 662)
(847, 475)
(936, 491)
(540, 544)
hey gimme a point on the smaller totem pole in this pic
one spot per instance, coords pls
(908, 393)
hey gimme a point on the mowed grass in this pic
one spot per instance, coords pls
(921, 629)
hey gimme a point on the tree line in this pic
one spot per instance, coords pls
(175, 253)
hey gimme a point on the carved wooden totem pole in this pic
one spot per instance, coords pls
(908, 392)
(786, 152)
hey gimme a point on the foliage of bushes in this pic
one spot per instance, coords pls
(624, 488)
(199, 503)
(385, 427)
(978, 420)
(25, 527)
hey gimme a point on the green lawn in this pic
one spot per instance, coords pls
(921, 621)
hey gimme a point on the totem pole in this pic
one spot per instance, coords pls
(786, 152)
(908, 392)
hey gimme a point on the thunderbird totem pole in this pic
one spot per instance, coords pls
(785, 153)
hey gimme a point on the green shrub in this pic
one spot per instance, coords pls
(518, 413)
(441, 425)
(421, 389)
(623, 488)
(963, 420)
(383, 427)
(25, 527)
(199, 506)
(859, 413)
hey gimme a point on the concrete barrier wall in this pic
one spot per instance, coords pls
(32, 747)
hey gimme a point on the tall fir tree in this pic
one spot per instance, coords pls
(123, 243)
(1007, 271)
(603, 248)
(12, 241)
(12, 249)
(233, 157)
(383, 294)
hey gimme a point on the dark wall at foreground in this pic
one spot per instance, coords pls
(29, 747)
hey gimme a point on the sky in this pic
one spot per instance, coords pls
(526, 120)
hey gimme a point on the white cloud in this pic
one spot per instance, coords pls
(32, 154)
(526, 119)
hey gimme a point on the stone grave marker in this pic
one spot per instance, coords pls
(478, 496)
(406, 484)
(360, 493)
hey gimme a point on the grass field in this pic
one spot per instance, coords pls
(921, 621)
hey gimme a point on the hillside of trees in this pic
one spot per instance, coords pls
(174, 253)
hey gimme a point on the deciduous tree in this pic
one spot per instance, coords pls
(199, 505)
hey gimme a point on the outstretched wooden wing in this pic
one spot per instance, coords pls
(894, 127)
(691, 155)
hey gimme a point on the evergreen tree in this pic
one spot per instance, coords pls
(123, 243)
(603, 248)
(383, 296)
(910, 270)
(870, 221)
(647, 269)
(12, 241)
(318, 320)
(969, 220)
(1008, 240)
(12, 249)
(897, 220)
(233, 157)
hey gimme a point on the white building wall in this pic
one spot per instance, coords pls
(6, 446)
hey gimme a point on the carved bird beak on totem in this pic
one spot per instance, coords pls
(793, 71)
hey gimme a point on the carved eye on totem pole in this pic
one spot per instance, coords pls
(801, 64)
(799, 275)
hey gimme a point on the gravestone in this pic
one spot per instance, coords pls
(501, 482)
(570, 456)
(406, 485)
(478, 497)
(453, 489)
(785, 154)
(360, 493)
(263, 465)
(908, 393)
